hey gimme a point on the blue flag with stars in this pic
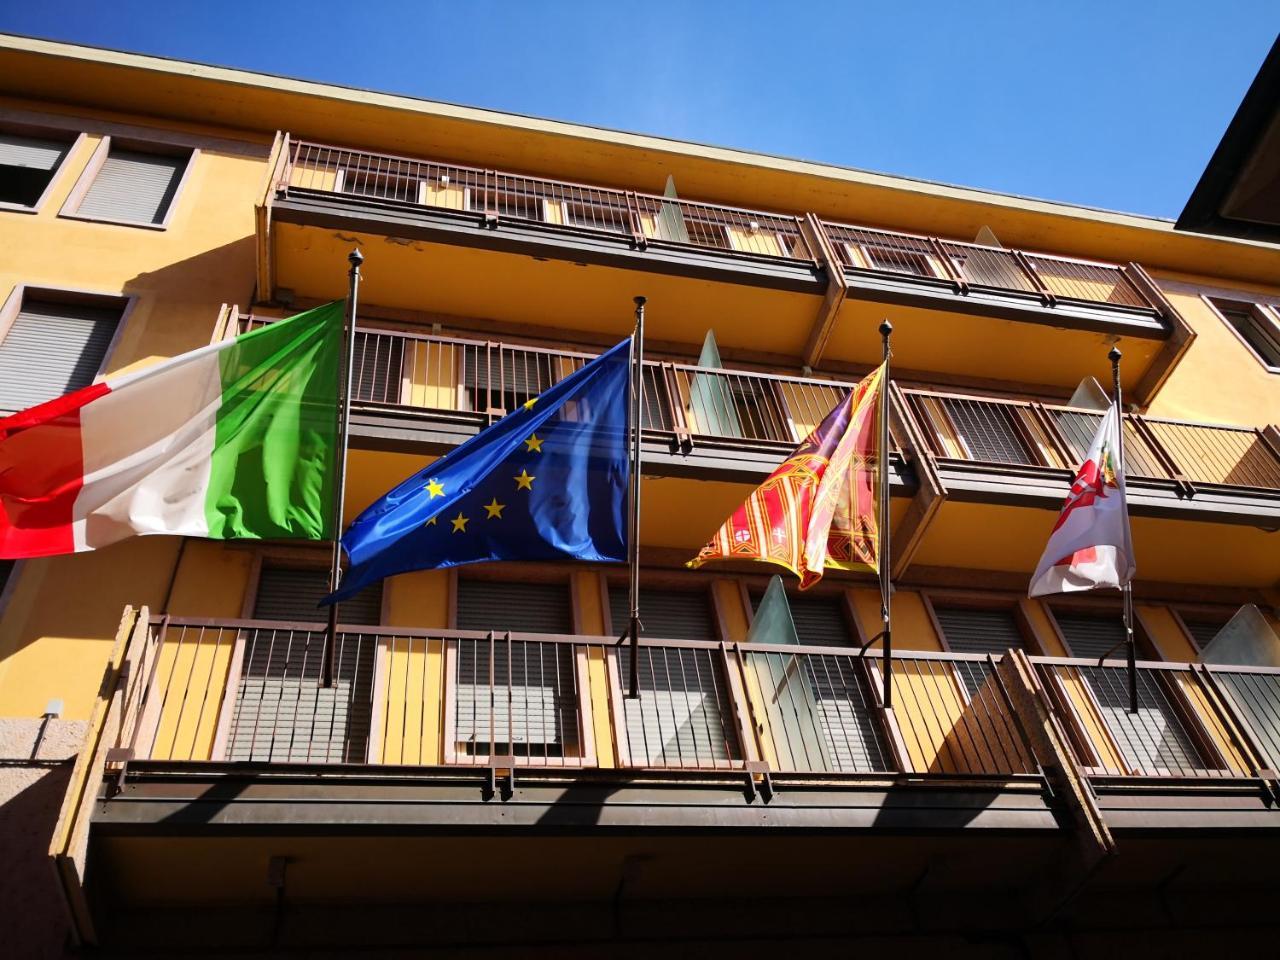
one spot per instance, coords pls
(546, 482)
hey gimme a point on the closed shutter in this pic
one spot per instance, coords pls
(668, 614)
(1090, 636)
(294, 593)
(507, 378)
(988, 432)
(820, 621)
(1152, 741)
(837, 698)
(1203, 630)
(978, 631)
(134, 187)
(531, 708)
(282, 713)
(682, 716)
(52, 349)
(31, 153)
(378, 367)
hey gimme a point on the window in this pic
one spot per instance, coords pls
(820, 620)
(6, 571)
(506, 203)
(501, 381)
(50, 346)
(668, 614)
(282, 713)
(682, 716)
(294, 594)
(597, 216)
(896, 260)
(1257, 325)
(1202, 626)
(729, 405)
(978, 630)
(820, 710)
(132, 186)
(379, 367)
(392, 184)
(27, 167)
(707, 234)
(530, 708)
(1091, 635)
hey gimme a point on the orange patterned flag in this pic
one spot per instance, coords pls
(820, 508)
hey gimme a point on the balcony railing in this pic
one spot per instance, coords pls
(249, 692)
(972, 266)
(486, 379)
(1193, 721)
(649, 219)
(1010, 432)
(574, 207)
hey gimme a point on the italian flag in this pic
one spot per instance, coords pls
(234, 440)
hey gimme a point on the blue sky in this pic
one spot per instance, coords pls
(1113, 104)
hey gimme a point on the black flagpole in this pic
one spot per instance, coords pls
(633, 535)
(1127, 589)
(886, 329)
(329, 666)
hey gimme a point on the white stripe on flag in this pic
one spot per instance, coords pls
(148, 448)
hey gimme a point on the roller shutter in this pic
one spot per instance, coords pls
(828, 726)
(505, 379)
(27, 164)
(294, 594)
(682, 717)
(378, 367)
(51, 349)
(666, 614)
(134, 187)
(978, 631)
(282, 712)
(1090, 636)
(530, 708)
(820, 621)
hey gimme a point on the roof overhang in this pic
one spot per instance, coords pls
(1239, 192)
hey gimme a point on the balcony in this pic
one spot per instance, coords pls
(216, 745)
(501, 244)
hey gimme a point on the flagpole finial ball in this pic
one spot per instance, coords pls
(640, 301)
(886, 328)
(355, 257)
(1114, 355)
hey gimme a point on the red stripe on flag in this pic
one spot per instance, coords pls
(41, 473)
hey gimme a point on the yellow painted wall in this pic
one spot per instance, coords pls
(1219, 380)
(57, 630)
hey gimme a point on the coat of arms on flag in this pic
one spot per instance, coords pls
(1090, 546)
(819, 509)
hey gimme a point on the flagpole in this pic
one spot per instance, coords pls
(633, 535)
(886, 329)
(1127, 589)
(345, 371)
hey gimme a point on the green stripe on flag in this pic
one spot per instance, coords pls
(277, 436)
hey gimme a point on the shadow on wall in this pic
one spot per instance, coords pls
(33, 921)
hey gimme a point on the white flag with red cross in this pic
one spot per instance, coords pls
(1091, 546)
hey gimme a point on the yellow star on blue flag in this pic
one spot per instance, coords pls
(546, 482)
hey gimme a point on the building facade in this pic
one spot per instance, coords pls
(476, 778)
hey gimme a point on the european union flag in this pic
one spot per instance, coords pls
(546, 482)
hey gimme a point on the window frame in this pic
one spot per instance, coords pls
(1261, 312)
(71, 206)
(12, 306)
(504, 572)
(53, 133)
